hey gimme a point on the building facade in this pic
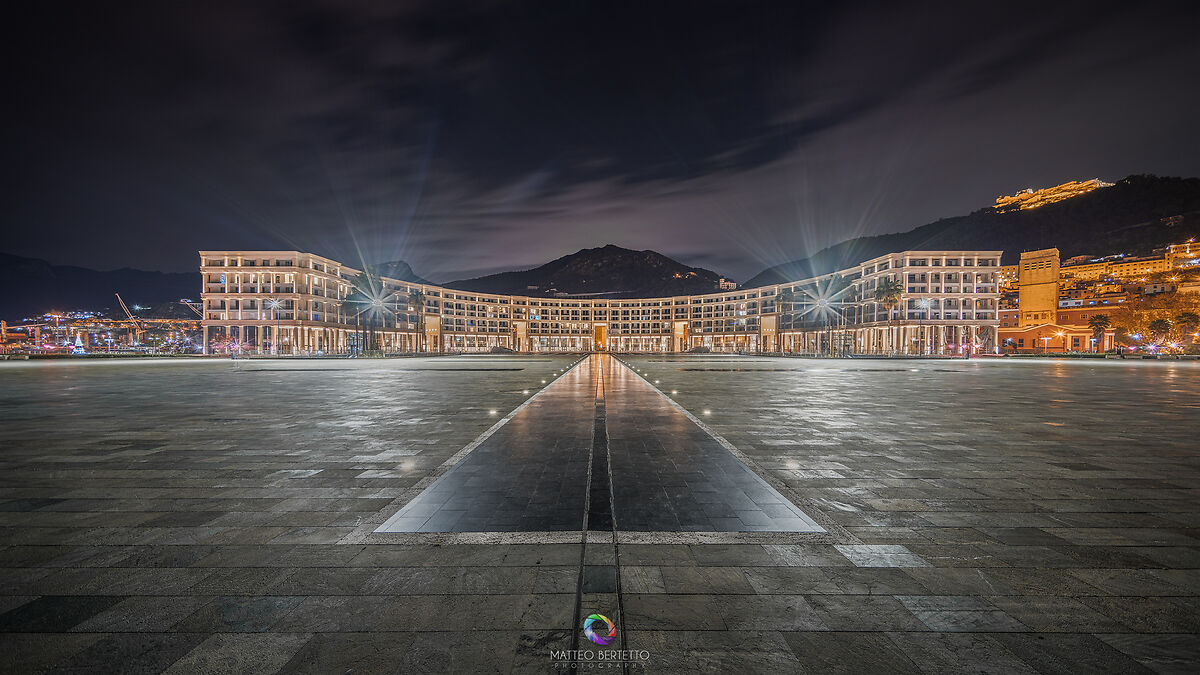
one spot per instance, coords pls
(1037, 291)
(1046, 318)
(291, 302)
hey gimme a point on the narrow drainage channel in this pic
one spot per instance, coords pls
(599, 516)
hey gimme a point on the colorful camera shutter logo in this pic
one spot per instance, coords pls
(599, 629)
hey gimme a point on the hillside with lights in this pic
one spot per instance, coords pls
(1133, 216)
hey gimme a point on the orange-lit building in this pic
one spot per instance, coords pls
(1045, 319)
(1054, 337)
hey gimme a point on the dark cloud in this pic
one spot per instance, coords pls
(467, 138)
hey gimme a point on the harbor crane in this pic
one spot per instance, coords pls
(138, 328)
(194, 306)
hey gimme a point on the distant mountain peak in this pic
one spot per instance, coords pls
(607, 271)
(398, 270)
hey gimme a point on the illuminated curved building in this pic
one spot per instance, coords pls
(290, 302)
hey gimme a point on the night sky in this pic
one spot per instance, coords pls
(466, 140)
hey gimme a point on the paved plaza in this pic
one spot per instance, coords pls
(758, 514)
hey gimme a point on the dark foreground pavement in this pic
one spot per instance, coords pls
(1007, 517)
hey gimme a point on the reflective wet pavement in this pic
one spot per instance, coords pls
(600, 446)
(1006, 515)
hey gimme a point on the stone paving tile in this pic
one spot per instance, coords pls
(238, 614)
(880, 555)
(1170, 653)
(1068, 653)
(151, 539)
(132, 653)
(688, 651)
(863, 613)
(240, 653)
(951, 653)
(709, 580)
(838, 653)
(54, 613)
(768, 612)
(1146, 615)
(673, 612)
(784, 580)
(143, 614)
(1055, 614)
(38, 652)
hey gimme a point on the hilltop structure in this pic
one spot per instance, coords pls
(1032, 199)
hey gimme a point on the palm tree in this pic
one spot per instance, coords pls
(783, 300)
(1187, 322)
(1160, 329)
(416, 302)
(783, 306)
(416, 299)
(837, 299)
(1099, 324)
(889, 293)
(367, 302)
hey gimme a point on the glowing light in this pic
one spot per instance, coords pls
(674, 391)
(491, 412)
(707, 412)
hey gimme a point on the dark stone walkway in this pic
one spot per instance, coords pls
(1006, 515)
(536, 473)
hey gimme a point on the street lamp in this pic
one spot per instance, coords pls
(1063, 335)
(273, 305)
(924, 304)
